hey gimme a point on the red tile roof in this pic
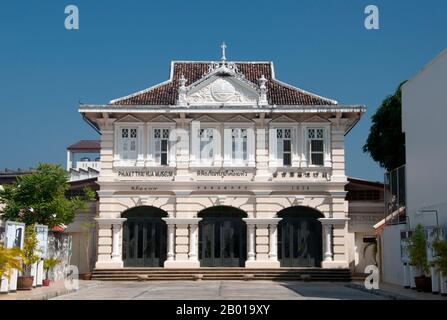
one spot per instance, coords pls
(278, 93)
(91, 145)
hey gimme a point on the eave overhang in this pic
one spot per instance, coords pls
(88, 110)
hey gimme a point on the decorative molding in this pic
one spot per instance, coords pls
(181, 221)
(161, 119)
(282, 119)
(262, 221)
(128, 119)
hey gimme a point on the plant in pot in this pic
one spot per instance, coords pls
(417, 251)
(29, 257)
(9, 260)
(440, 256)
(48, 265)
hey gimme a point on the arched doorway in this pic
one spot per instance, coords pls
(300, 237)
(222, 237)
(144, 237)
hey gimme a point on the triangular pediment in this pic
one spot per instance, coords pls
(161, 118)
(129, 118)
(283, 119)
(239, 119)
(316, 119)
(222, 90)
(206, 118)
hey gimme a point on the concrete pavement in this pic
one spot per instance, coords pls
(219, 290)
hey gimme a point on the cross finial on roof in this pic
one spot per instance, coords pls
(223, 46)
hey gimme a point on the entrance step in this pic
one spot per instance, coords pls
(281, 274)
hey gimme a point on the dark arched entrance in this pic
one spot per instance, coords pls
(300, 237)
(144, 237)
(222, 237)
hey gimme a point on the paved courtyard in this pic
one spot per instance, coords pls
(219, 290)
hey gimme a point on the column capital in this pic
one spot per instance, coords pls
(110, 221)
(262, 221)
(181, 221)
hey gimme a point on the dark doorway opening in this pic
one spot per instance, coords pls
(222, 237)
(300, 237)
(144, 237)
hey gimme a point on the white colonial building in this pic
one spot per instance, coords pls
(223, 165)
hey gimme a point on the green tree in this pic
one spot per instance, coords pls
(29, 252)
(386, 141)
(39, 198)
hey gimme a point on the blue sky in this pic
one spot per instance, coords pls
(125, 46)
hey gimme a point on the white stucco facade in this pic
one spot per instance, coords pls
(258, 174)
(424, 109)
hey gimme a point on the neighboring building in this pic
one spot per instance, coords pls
(419, 195)
(219, 166)
(83, 160)
(424, 109)
(366, 208)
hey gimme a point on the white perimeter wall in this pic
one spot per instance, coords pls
(392, 271)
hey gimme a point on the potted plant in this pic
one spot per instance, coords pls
(29, 257)
(440, 256)
(417, 251)
(48, 265)
(9, 259)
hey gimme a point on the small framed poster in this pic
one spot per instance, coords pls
(42, 240)
(15, 234)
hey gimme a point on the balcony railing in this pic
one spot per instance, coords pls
(395, 196)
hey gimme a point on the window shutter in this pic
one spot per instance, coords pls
(228, 150)
(195, 143)
(272, 148)
(172, 148)
(251, 147)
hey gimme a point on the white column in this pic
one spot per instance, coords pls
(109, 253)
(406, 268)
(273, 238)
(192, 242)
(328, 242)
(435, 288)
(260, 235)
(171, 235)
(412, 275)
(185, 258)
(443, 285)
(34, 274)
(116, 232)
(39, 273)
(251, 242)
(4, 286)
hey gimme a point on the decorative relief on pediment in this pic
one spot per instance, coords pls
(222, 91)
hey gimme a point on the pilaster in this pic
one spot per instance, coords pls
(182, 243)
(109, 241)
(262, 243)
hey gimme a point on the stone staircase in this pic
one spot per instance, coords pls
(281, 274)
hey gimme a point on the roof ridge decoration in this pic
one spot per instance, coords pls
(255, 78)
